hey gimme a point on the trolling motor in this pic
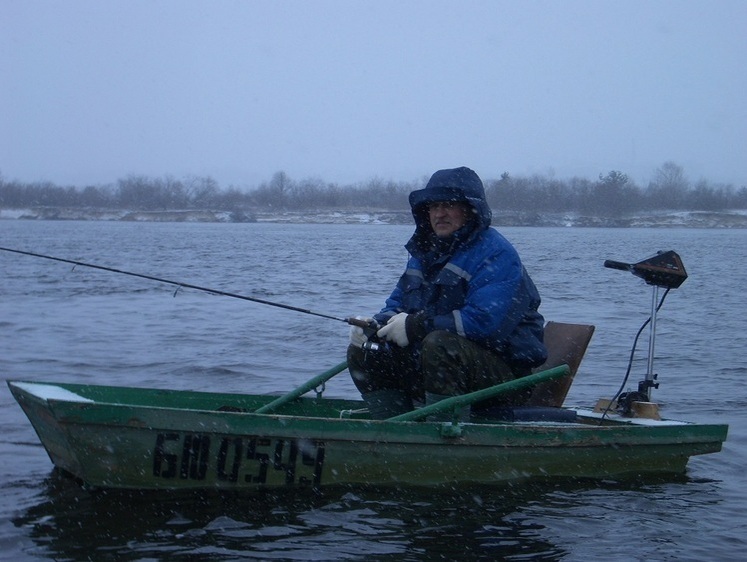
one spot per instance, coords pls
(666, 270)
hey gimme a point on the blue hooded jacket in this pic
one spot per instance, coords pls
(471, 283)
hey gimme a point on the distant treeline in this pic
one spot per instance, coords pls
(611, 195)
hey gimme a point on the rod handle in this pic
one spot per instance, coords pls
(370, 324)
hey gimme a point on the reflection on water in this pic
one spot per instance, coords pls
(352, 523)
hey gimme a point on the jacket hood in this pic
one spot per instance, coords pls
(454, 184)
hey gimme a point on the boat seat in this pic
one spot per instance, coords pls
(566, 345)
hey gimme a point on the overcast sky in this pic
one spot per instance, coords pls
(347, 91)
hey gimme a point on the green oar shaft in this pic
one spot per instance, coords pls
(467, 399)
(303, 389)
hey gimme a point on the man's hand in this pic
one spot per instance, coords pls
(395, 330)
(359, 335)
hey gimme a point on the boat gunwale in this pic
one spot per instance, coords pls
(617, 431)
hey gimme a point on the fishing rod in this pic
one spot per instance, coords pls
(351, 321)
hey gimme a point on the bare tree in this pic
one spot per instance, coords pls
(669, 188)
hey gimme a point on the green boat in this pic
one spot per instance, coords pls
(135, 438)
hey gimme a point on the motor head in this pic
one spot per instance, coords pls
(665, 269)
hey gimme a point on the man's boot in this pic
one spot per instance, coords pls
(387, 403)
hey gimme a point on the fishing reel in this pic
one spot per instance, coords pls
(371, 345)
(373, 342)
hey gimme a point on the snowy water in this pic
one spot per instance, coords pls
(59, 323)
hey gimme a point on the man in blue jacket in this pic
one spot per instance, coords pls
(463, 315)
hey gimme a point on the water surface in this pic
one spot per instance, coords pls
(65, 324)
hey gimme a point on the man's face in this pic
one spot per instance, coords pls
(447, 217)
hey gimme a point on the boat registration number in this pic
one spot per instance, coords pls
(246, 459)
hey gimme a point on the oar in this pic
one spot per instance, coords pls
(303, 389)
(484, 394)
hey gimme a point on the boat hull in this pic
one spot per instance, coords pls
(115, 437)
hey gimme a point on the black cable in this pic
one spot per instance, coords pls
(632, 355)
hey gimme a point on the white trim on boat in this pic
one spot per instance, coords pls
(49, 392)
(618, 418)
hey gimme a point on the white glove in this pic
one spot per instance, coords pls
(395, 330)
(357, 335)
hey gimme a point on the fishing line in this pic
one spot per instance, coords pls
(179, 285)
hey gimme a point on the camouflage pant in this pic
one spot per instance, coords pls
(445, 364)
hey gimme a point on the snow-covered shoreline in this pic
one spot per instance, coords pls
(658, 219)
